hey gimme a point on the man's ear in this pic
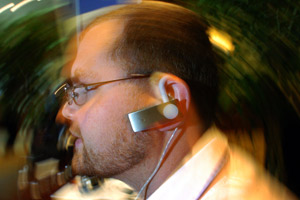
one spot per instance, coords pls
(173, 88)
(174, 94)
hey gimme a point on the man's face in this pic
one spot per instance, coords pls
(106, 145)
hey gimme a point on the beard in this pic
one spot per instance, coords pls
(121, 155)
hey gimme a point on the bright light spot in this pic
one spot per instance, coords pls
(221, 40)
(19, 5)
(8, 6)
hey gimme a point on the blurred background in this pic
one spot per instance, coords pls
(259, 102)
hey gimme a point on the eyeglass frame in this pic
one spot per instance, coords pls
(69, 89)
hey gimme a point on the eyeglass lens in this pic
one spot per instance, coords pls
(78, 95)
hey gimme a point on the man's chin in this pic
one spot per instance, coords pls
(75, 167)
(78, 168)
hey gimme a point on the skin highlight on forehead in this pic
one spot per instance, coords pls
(94, 51)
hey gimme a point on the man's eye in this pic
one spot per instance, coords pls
(88, 88)
(78, 92)
(75, 95)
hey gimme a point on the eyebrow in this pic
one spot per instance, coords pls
(80, 76)
(74, 81)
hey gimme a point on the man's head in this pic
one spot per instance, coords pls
(142, 38)
(168, 38)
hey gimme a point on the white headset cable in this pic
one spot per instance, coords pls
(158, 165)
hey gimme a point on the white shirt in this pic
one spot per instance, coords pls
(243, 179)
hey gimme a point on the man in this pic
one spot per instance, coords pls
(153, 132)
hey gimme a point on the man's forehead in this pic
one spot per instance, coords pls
(102, 34)
(94, 49)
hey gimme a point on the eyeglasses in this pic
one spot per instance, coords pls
(78, 93)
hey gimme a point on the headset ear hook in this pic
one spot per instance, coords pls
(162, 89)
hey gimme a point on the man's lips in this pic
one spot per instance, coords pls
(78, 142)
(77, 138)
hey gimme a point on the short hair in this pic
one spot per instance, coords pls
(168, 38)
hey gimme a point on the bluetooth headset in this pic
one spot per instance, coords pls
(167, 114)
(159, 115)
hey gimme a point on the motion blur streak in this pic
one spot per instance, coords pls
(8, 6)
(19, 5)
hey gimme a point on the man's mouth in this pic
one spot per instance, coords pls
(77, 139)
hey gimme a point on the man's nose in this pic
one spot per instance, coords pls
(65, 113)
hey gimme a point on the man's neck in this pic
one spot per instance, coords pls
(181, 146)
